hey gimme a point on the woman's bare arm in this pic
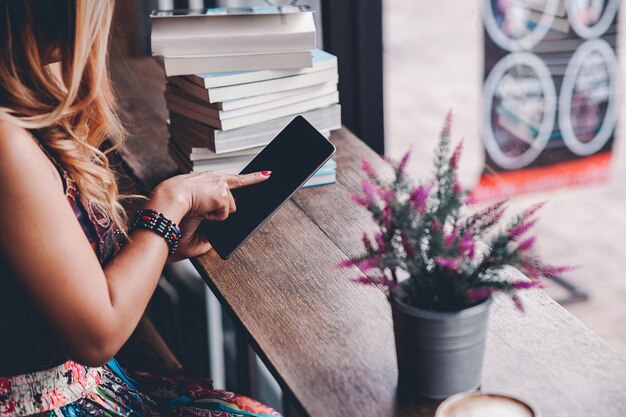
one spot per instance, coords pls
(91, 311)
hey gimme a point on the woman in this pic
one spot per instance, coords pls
(70, 292)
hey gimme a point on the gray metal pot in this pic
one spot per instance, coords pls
(439, 353)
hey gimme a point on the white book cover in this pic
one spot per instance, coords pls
(323, 176)
(176, 95)
(234, 44)
(263, 98)
(246, 120)
(229, 22)
(237, 62)
(199, 135)
(233, 92)
(232, 165)
(321, 60)
(203, 154)
(325, 179)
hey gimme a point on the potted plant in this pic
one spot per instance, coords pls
(440, 267)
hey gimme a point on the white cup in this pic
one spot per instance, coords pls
(485, 404)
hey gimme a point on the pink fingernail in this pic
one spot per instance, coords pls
(266, 173)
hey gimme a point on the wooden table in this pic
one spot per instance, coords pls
(328, 341)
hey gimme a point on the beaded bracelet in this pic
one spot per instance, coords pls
(153, 220)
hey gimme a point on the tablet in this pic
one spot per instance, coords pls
(293, 157)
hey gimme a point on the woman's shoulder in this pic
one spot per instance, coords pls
(21, 154)
(15, 141)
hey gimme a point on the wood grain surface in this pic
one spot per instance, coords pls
(329, 342)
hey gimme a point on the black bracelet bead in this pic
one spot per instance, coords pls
(152, 220)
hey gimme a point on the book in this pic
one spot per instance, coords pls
(321, 60)
(234, 165)
(176, 95)
(325, 175)
(214, 34)
(248, 44)
(202, 153)
(183, 65)
(205, 154)
(250, 119)
(228, 165)
(228, 105)
(239, 91)
(330, 165)
(196, 134)
(321, 179)
(230, 21)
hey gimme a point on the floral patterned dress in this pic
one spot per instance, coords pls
(73, 390)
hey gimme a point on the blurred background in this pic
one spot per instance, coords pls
(403, 65)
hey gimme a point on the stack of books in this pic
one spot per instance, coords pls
(237, 77)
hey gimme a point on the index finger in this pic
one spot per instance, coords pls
(242, 180)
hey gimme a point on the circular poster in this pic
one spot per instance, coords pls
(517, 25)
(587, 103)
(591, 18)
(519, 101)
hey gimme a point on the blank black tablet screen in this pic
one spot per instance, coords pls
(293, 156)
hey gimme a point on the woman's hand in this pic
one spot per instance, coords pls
(188, 199)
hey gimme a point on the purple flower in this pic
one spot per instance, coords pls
(387, 216)
(531, 269)
(527, 244)
(405, 215)
(367, 167)
(487, 217)
(479, 294)
(363, 280)
(456, 156)
(468, 246)
(368, 189)
(526, 284)
(518, 303)
(449, 238)
(526, 214)
(550, 271)
(361, 201)
(418, 198)
(517, 231)
(456, 186)
(362, 264)
(387, 282)
(406, 244)
(447, 126)
(347, 263)
(447, 263)
(370, 263)
(380, 241)
(367, 243)
(469, 200)
(386, 195)
(403, 162)
(375, 280)
(369, 194)
(388, 159)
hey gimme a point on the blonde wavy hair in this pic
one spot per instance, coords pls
(69, 104)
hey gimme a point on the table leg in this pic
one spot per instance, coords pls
(246, 364)
(289, 408)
